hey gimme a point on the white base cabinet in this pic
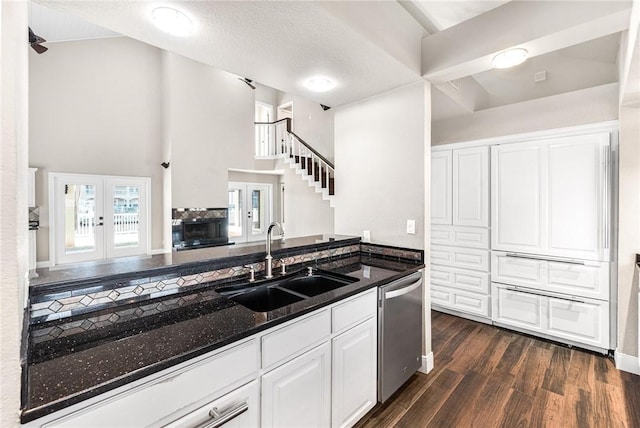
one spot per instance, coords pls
(318, 370)
(354, 374)
(298, 393)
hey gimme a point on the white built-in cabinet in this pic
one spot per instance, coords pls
(542, 205)
(551, 197)
(460, 231)
(318, 370)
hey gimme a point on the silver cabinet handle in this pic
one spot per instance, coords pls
(219, 419)
(404, 290)
(520, 290)
(545, 259)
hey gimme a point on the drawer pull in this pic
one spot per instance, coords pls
(520, 290)
(546, 259)
(219, 419)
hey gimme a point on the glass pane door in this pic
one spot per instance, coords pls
(98, 217)
(78, 205)
(250, 223)
(125, 220)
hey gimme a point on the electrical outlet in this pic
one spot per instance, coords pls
(366, 236)
(411, 227)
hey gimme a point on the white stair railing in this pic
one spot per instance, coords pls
(276, 140)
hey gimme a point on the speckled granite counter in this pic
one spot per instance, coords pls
(105, 349)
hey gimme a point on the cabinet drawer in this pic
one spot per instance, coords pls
(247, 396)
(472, 303)
(585, 321)
(572, 277)
(464, 279)
(577, 320)
(465, 258)
(350, 313)
(517, 309)
(288, 341)
(146, 404)
(507, 269)
(459, 236)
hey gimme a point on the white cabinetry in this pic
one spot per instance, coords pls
(552, 196)
(354, 374)
(550, 217)
(318, 370)
(460, 230)
(31, 187)
(298, 393)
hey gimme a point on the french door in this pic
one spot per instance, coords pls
(97, 217)
(250, 208)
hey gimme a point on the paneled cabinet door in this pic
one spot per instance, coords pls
(441, 182)
(354, 374)
(517, 198)
(578, 197)
(471, 187)
(298, 393)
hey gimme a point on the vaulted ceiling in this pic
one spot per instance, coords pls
(368, 47)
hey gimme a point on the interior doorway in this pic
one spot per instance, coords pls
(264, 112)
(285, 111)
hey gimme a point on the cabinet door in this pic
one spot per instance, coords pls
(517, 199)
(354, 374)
(441, 182)
(471, 187)
(583, 321)
(577, 196)
(518, 309)
(298, 393)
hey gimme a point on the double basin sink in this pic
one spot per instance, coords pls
(273, 294)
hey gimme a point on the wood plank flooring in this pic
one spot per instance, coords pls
(485, 377)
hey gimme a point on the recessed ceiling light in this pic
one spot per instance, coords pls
(320, 84)
(510, 58)
(172, 21)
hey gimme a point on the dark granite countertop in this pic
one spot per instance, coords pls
(160, 263)
(103, 350)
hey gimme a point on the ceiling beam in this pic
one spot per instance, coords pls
(538, 26)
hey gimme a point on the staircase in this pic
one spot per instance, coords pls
(275, 140)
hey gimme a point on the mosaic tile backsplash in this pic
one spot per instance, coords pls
(52, 308)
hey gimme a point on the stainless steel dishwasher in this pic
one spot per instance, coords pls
(399, 333)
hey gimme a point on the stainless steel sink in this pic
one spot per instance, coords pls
(274, 294)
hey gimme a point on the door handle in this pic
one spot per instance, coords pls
(402, 291)
(219, 419)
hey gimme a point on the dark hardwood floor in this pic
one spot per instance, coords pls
(485, 376)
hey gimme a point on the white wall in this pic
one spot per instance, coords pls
(13, 204)
(628, 230)
(305, 212)
(314, 126)
(211, 128)
(96, 108)
(592, 105)
(380, 169)
(383, 172)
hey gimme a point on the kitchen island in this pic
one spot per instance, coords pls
(78, 354)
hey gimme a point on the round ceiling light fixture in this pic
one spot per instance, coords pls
(510, 58)
(320, 84)
(172, 21)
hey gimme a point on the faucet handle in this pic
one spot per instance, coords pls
(283, 267)
(252, 272)
(310, 270)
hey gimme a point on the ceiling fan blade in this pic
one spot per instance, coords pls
(247, 81)
(35, 40)
(39, 48)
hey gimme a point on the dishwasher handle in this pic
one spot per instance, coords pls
(404, 290)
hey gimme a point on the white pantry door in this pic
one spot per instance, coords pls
(96, 217)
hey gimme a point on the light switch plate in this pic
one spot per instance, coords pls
(411, 227)
(366, 236)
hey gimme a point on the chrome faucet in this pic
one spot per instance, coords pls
(267, 265)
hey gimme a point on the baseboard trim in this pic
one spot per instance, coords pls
(427, 363)
(44, 264)
(627, 363)
(159, 251)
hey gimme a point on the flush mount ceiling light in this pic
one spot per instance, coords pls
(510, 58)
(320, 84)
(171, 21)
